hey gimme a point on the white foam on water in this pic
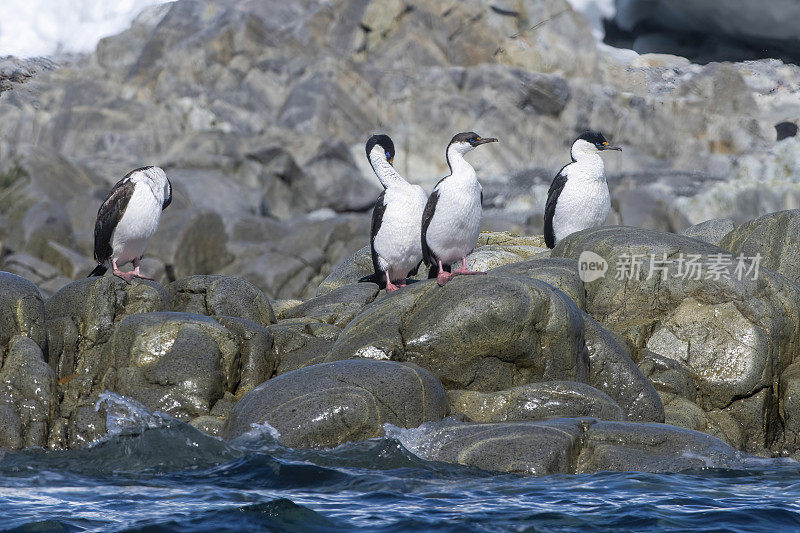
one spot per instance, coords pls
(31, 28)
(422, 441)
(126, 416)
(263, 428)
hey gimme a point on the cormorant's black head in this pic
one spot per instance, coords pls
(464, 142)
(590, 142)
(384, 143)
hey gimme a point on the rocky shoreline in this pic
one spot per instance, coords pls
(537, 369)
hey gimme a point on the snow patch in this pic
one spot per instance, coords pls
(31, 28)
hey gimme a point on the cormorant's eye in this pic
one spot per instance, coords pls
(388, 155)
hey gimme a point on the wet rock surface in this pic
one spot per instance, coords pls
(259, 112)
(573, 446)
(332, 403)
(548, 373)
(535, 401)
(731, 333)
(480, 333)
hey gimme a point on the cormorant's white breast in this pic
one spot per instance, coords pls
(578, 197)
(128, 217)
(452, 218)
(396, 218)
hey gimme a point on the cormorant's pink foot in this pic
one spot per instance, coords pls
(391, 287)
(466, 272)
(137, 274)
(443, 278)
(125, 276)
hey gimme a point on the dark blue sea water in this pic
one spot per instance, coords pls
(156, 474)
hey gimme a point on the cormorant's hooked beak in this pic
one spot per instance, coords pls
(606, 146)
(484, 140)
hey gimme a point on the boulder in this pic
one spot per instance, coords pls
(190, 242)
(294, 265)
(257, 359)
(742, 29)
(349, 271)
(493, 250)
(300, 343)
(627, 447)
(570, 446)
(535, 448)
(612, 371)
(27, 395)
(710, 231)
(81, 319)
(47, 278)
(217, 296)
(559, 272)
(176, 363)
(337, 307)
(775, 238)
(734, 326)
(552, 399)
(21, 312)
(483, 333)
(332, 403)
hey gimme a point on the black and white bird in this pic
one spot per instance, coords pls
(452, 218)
(128, 217)
(396, 219)
(578, 197)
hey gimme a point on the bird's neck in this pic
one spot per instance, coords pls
(459, 168)
(591, 165)
(385, 172)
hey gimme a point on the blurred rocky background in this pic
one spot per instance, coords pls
(259, 110)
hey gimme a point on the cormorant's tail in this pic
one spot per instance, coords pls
(433, 270)
(99, 270)
(375, 277)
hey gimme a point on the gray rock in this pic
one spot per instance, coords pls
(736, 335)
(296, 345)
(710, 231)
(537, 448)
(337, 307)
(294, 266)
(190, 242)
(740, 22)
(333, 403)
(351, 270)
(27, 395)
(570, 446)
(482, 333)
(552, 399)
(559, 272)
(33, 269)
(492, 250)
(774, 237)
(176, 363)
(626, 447)
(612, 371)
(81, 320)
(332, 178)
(257, 360)
(217, 296)
(21, 311)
